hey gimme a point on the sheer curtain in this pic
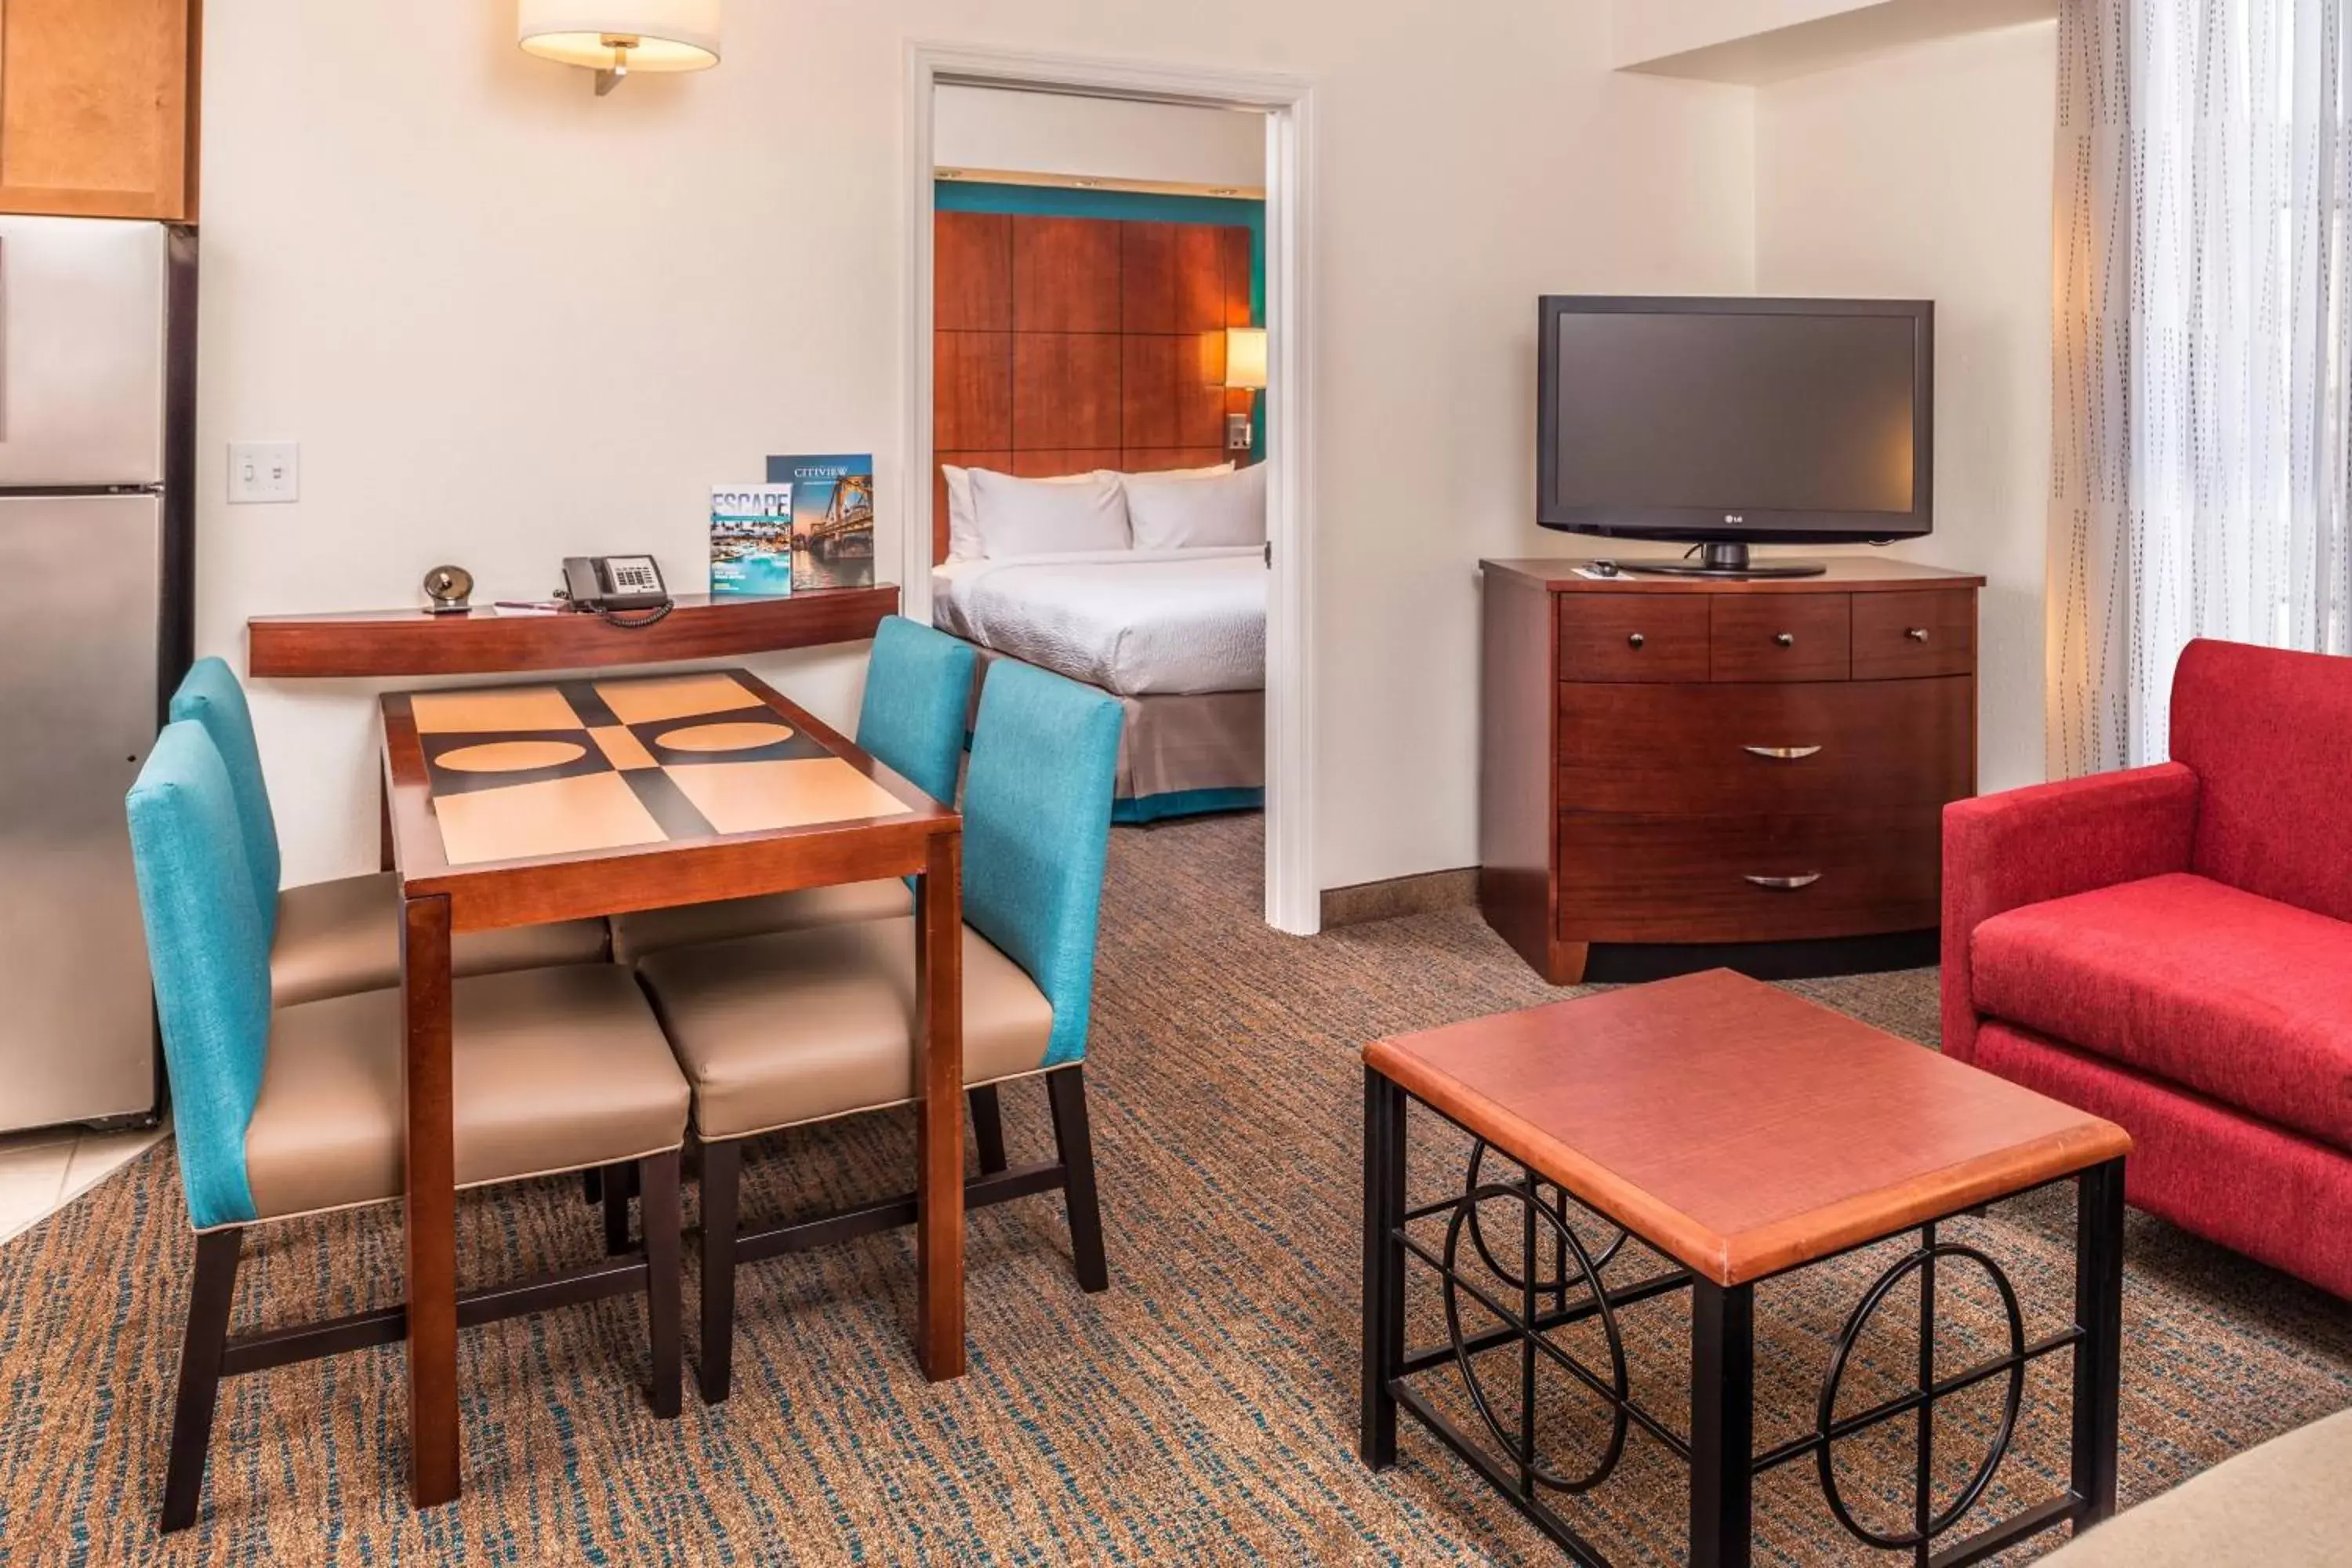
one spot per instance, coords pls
(2199, 481)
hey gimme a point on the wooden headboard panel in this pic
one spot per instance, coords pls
(1068, 344)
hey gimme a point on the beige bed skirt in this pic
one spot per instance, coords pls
(1179, 755)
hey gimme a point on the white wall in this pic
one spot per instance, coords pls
(510, 321)
(1098, 138)
(1928, 175)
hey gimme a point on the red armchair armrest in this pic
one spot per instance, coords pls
(2050, 841)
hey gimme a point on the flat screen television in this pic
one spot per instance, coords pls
(1728, 422)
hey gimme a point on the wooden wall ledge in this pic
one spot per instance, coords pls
(491, 642)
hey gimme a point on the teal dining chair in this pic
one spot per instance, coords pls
(917, 699)
(912, 719)
(333, 938)
(792, 1027)
(284, 1111)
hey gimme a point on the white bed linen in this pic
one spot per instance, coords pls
(1140, 623)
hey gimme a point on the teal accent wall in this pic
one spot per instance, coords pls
(1128, 206)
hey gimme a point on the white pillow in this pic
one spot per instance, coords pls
(1180, 511)
(1047, 516)
(1210, 471)
(963, 526)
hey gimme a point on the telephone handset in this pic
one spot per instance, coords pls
(605, 584)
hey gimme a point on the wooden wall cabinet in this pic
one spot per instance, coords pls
(1684, 760)
(98, 107)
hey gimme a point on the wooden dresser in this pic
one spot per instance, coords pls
(1677, 760)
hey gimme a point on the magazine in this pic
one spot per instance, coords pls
(751, 540)
(831, 511)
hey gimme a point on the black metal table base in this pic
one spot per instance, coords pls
(1721, 1445)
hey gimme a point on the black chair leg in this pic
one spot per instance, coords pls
(619, 1183)
(591, 1185)
(987, 1129)
(657, 1204)
(1067, 1088)
(722, 1174)
(211, 1294)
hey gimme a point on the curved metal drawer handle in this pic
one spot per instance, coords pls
(1781, 753)
(1786, 639)
(1916, 633)
(1787, 884)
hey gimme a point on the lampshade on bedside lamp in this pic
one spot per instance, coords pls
(613, 37)
(1246, 358)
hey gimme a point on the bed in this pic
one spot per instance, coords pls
(1176, 636)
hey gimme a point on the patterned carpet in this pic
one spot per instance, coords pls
(1202, 1410)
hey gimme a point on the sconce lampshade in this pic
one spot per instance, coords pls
(623, 34)
(1245, 357)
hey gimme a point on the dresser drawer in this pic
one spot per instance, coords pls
(1797, 746)
(1627, 877)
(1633, 637)
(1930, 632)
(1781, 637)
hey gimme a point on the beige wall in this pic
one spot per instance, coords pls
(507, 321)
(1099, 138)
(1926, 174)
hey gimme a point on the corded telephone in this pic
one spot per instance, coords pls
(606, 584)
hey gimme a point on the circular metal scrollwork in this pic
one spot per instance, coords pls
(1826, 1417)
(1486, 1255)
(1466, 1211)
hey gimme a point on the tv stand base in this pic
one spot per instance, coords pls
(1726, 561)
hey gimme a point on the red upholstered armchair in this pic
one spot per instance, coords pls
(2171, 947)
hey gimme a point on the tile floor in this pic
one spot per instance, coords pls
(42, 1172)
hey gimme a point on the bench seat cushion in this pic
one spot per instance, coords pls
(2282, 1504)
(554, 1070)
(339, 937)
(796, 1026)
(2198, 983)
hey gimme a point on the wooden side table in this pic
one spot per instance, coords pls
(1741, 1132)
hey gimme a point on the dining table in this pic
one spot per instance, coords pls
(564, 799)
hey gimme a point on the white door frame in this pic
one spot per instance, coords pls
(1293, 894)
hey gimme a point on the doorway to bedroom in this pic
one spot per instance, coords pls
(1109, 497)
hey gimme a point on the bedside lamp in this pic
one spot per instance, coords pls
(613, 37)
(1244, 372)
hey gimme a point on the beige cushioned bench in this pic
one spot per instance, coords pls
(341, 937)
(555, 1069)
(2284, 1504)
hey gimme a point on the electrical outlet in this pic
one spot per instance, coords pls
(264, 471)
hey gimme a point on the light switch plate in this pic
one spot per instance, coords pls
(264, 471)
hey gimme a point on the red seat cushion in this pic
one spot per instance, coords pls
(2236, 997)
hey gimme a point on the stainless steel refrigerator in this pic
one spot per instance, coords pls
(97, 444)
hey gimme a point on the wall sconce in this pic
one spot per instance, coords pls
(1246, 358)
(1244, 372)
(613, 37)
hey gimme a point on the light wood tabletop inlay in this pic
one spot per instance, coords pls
(664, 696)
(621, 747)
(748, 797)
(1739, 1128)
(492, 711)
(511, 756)
(742, 735)
(555, 816)
(578, 767)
